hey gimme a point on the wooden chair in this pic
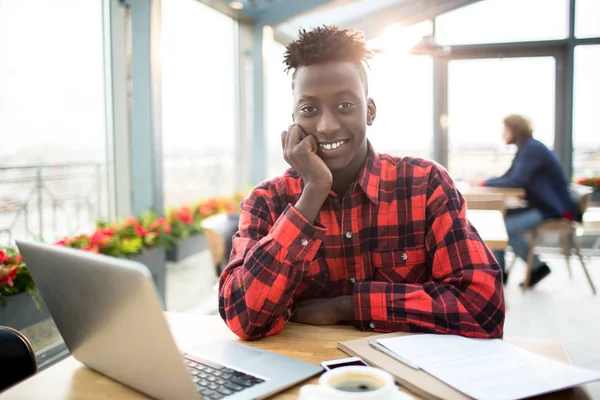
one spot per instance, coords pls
(218, 231)
(567, 231)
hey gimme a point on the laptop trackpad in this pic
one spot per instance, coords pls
(226, 352)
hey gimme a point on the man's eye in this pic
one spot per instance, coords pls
(308, 109)
(346, 104)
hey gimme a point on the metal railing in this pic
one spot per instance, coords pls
(46, 202)
(56, 200)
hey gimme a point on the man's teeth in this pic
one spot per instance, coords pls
(330, 146)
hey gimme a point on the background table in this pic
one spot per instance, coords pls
(71, 380)
(491, 228)
(468, 190)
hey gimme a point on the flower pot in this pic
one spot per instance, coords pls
(154, 259)
(187, 247)
(20, 311)
(596, 196)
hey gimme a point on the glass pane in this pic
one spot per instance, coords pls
(477, 104)
(198, 107)
(53, 152)
(587, 18)
(279, 109)
(499, 21)
(402, 87)
(586, 132)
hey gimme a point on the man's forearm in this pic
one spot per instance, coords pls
(311, 200)
(345, 308)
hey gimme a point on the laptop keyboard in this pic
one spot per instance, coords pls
(214, 381)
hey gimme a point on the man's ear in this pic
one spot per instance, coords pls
(371, 111)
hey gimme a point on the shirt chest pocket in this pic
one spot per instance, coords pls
(407, 265)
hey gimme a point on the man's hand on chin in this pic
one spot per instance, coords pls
(328, 311)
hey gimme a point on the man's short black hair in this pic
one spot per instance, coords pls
(325, 44)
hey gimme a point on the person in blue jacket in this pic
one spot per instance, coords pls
(536, 169)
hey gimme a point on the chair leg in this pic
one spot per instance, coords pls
(566, 253)
(578, 252)
(532, 245)
(596, 246)
(512, 264)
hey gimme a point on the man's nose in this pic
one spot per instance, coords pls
(328, 123)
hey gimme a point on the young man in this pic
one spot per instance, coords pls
(347, 234)
(536, 169)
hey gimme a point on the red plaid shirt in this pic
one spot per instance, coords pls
(398, 242)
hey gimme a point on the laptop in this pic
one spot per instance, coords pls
(109, 315)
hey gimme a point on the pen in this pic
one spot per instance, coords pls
(395, 356)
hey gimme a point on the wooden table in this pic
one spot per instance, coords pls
(70, 379)
(468, 190)
(491, 227)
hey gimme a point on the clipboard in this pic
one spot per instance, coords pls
(426, 386)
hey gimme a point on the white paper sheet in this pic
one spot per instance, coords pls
(488, 369)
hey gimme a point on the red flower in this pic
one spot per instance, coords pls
(100, 238)
(5, 258)
(184, 215)
(206, 210)
(167, 228)
(19, 258)
(8, 274)
(131, 221)
(140, 230)
(92, 248)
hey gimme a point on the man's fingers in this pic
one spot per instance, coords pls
(297, 134)
(283, 139)
(309, 143)
(288, 141)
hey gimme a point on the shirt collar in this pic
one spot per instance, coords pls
(370, 175)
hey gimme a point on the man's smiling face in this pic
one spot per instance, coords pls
(330, 102)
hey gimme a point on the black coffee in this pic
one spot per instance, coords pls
(358, 385)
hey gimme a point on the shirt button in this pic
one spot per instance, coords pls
(353, 279)
(349, 235)
(303, 241)
(403, 256)
(372, 325)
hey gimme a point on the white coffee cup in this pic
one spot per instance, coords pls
(353, 383)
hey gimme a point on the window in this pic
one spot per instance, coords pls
(586, 131)
(498, 21)
(198, 103)
(587, 18)
(480, 94)
(279, 100)
(53, 152)
(402, 87)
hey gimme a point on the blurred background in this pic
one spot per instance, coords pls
(111, 108)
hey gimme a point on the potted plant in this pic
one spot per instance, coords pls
(186, 224)
(142, 239)
(186, 233)
(20, 302)
(594, 183)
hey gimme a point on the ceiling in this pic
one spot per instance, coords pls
(370, 16)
